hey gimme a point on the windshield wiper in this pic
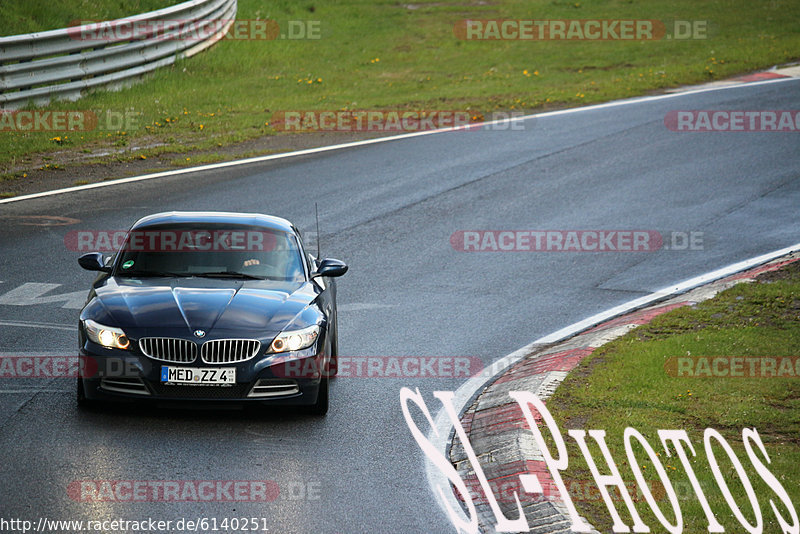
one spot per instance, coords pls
(229, 274)
(151, 273)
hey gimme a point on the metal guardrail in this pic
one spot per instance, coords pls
(67, 62)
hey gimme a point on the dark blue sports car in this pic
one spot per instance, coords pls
(210, 306)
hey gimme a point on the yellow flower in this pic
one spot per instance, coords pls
(142, 156)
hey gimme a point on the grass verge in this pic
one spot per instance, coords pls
(631, 383)
(384, 55)
(40, 15)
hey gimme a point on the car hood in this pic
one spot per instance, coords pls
(160, 306)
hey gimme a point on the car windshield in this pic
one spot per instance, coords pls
(214, 251)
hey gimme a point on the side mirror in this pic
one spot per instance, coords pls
(330, 267)
(93, 261)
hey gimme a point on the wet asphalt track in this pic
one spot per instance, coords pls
(389, 211)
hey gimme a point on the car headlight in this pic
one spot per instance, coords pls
(295, 339)
(108, 336)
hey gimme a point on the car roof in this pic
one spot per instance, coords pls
(224, 217)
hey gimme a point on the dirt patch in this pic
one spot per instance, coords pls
(790, 272)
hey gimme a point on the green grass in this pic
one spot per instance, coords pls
(625, 384)
(26, 16)
(381, 54)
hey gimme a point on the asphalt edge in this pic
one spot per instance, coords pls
(773, 76)
(561, 349)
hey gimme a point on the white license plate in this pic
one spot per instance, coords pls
(217, 376)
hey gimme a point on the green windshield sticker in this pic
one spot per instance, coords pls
(128, 264)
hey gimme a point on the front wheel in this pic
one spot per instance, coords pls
(321, 406)
(334, 361)
(83, 402)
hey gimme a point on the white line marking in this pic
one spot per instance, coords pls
(52, 326)
(465, 393)
(33, 293)
(43, 353)
(365, 142)
(17, 391)
(363, 306)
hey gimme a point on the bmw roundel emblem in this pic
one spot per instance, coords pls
(200, 333)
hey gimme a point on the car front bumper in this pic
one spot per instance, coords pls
(113, 375)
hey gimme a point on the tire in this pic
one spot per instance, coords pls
(83, 402)
(321, 406)
(333, 365)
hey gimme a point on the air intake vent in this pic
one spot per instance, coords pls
(134, 386)
(169, 349)
(272, 387)
(229, 350)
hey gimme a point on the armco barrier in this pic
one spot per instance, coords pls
(60, 64)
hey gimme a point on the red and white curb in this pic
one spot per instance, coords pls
(496, 428)
(767, 75)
